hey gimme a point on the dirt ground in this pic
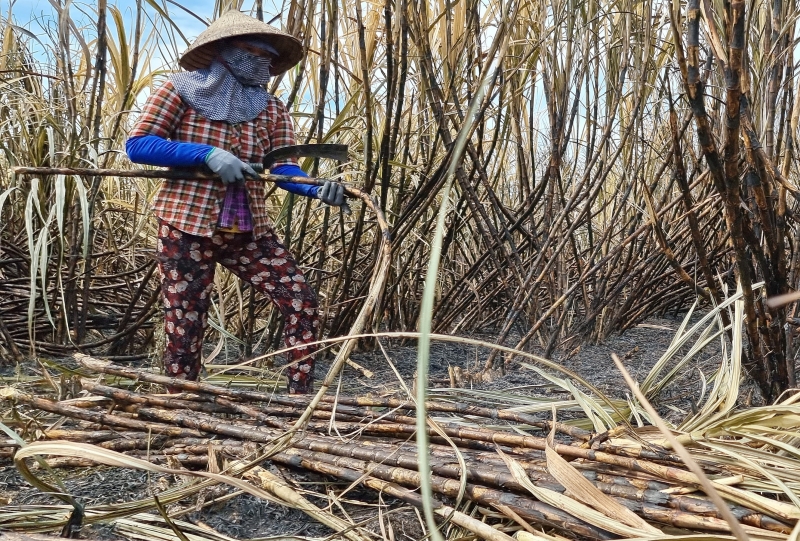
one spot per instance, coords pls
(246, 517)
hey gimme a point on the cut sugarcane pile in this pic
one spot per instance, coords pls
(524, 473)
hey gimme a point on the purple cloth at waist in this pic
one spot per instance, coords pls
(236, 209)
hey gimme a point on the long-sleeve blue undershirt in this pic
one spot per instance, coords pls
(295, 171)
(155, 150)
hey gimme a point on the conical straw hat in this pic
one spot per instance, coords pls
(235, 24)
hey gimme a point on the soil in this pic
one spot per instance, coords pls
(246, 517)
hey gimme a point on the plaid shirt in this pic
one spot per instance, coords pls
(194, 206)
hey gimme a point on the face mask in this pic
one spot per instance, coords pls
(247, 68)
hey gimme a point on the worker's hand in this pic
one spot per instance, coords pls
(229, 168)
(331, 193)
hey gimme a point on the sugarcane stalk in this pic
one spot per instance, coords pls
(461, 409)
(172, 402)
(386, 461)
(375, 428)
(88, 436)
(493, 475)
(327, 402)
(15, 395)
(168, 174)
(216, 404)
(777, 510)
(212, 425)
(610, 474)
(449, 467)
(110, 368)
(357, 471)
(187, 461)
(704, 507)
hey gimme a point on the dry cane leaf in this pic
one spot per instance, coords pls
(795, 535)
(569, 505)
(526, 536)
(113, 458)
(522, 535)
(479, 528)
(584, 491)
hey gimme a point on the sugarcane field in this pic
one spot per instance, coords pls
(399, 270)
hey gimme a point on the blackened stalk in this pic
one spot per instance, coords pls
(96, 114)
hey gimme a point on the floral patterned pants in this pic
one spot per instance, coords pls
(187, 264)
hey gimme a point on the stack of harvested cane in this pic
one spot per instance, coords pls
(602, 486)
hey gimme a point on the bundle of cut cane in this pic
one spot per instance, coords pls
(565, 481)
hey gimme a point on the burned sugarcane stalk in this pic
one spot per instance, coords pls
(100, 418)
(207, 404)
(327, 403)
(354, 470)
(385, 464)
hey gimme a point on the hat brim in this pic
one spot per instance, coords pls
(233, 25)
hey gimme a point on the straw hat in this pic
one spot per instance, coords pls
(235, 24)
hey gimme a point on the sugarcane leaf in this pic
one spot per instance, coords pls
(755, 466)
(43, 253)
(4, 196)
(144, 526)
(113, 458)
(571, 506)
(164, 15)
(163, 512)
(580, 488)
(63, 493)
(13, 435)
(83, 198)
(679, 342)
(32, 201)
(795, 535)
(60, 203)
(600, 418)
(25, 32)
(278, 487)
(713, 33)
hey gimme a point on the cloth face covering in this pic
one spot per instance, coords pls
(247, 68)
(231, 93)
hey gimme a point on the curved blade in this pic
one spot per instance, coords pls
(334, 152)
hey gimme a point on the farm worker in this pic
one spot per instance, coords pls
(218, 114)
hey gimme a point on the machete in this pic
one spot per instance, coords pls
(334, 152)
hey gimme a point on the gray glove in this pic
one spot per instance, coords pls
(229, 168)
(331, 193)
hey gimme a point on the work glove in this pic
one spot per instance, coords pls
(229, 168)
(331, 193)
